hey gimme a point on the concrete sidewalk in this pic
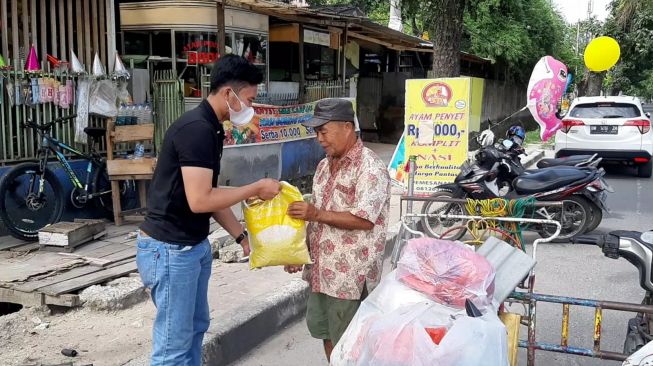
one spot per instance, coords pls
(247, 307)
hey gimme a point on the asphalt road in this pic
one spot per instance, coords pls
(562, 269)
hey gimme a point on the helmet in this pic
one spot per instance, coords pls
(516, 131)
(486, 138)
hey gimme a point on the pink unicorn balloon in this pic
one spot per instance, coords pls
(545, 90)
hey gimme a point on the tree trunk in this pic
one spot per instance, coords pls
(593, 84)
(447, 32)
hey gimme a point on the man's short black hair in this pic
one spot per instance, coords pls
(234, 71)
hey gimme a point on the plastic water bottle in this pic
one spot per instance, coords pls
(120, 120)
(139, 151)
(148, 114)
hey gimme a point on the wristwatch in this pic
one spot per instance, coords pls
(241, 237)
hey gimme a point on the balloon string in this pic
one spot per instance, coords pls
(507, 118)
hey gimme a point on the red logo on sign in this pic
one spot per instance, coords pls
(201, 52)
(437, 95)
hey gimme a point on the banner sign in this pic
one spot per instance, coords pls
(437, 122)
(273, 124)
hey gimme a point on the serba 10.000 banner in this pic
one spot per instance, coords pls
(272, 124)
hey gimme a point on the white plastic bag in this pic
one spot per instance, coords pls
(390, 329)
(104, 96)
(400, 337)
(81, 122)
(474, 342)
(390, 301)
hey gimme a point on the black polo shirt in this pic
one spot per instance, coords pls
(195, 140)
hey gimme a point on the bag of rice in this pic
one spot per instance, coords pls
(275, 238)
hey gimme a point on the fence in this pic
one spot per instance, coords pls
(316, 90)
(168, 102)
(18, 143)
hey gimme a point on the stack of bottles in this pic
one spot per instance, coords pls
(135, 114)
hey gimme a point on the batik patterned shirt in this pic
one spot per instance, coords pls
(347, 260)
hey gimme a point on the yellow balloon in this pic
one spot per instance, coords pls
(602, 53)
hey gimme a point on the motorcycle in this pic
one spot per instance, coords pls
(574, 160)
(496, 171)
(636, 248)
(477, 182)
(595, 194)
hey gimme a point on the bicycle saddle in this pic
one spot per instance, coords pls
(95, 132)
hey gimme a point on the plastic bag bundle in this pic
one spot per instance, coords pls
(398, 326)
(275, 238)
(448, 272)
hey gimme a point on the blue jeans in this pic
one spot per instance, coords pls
(178, 277)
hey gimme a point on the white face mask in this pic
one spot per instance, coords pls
(242, 117)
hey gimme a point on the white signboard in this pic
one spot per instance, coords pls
(323, 39)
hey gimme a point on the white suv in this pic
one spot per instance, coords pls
(615, 128)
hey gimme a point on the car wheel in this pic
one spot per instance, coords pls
(644, 170)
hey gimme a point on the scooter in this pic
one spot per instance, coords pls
(476, 181)
(636, 248)
(508, 153)
(574, 160)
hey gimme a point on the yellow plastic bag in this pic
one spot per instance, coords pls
(275, 238)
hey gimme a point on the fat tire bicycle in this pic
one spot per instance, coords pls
(31, 196)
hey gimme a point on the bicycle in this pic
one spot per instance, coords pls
(31, 196)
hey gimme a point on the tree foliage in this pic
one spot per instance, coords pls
(516, 34)
(631, 24)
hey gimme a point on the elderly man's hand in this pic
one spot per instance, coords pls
(292, 268)
(303, 211)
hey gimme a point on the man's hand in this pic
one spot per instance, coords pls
(293, 269)
(303, 211)
(245, 245)
(268, 188)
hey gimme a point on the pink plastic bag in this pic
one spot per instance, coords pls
(447, 272)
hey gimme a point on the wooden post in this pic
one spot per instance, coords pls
(302, 77)
(344, 59)
(111, 33)
(25, 13)
(5, 33)
(222, 49)
(14, 33)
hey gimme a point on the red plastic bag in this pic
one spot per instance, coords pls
(447, 272)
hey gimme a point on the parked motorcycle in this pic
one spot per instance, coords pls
(496, 171)
(595, 194)
(477, 182)
(636, 248)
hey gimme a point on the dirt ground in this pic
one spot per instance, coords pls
(25, 339)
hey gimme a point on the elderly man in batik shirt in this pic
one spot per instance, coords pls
(348, 216)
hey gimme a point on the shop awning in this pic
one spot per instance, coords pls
(357, 26)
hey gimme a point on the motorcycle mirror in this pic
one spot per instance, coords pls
(507, 144)
(648, 115)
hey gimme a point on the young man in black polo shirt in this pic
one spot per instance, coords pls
(174, 256)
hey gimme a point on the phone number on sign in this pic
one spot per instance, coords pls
(282, 133)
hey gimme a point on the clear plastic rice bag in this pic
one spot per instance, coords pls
(275, 238)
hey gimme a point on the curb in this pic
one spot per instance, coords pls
(532, 158)
(232, 337)
(240, 332)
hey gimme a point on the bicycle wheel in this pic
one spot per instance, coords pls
(101, 189)
(23, 211)
(434, 227)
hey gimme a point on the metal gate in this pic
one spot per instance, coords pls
(168, 102)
